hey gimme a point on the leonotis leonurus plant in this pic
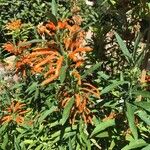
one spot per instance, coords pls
(63, 45)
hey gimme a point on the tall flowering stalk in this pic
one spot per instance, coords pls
(63, 47)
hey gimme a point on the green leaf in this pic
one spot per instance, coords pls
(20, 130)
(46, 113)
(63, 74)
(147, 147)
(102, 135)
(3, 127)
(54, 8)
(112, 86)
(102, 126)
(144, 116)
(16, 143)
(135, 144)
(70, 145)
(91, 70)
(5, 142)
(31, 42)
(139, 59)
(39, 147)
(145, 94)
(144, 105)
(32, 88)
(103, 75)
(112, 145)
(66, 111)
(136, 44)
(123, 47)
(36, 95)
(131, 120)
(52, 18)
(53, 124)
(28, 141)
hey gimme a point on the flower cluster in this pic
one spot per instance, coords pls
(14, 112)
(14, 25)
(82, 100)
(64, 44)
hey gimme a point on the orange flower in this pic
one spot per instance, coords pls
(112, 115)
(18, 49)
(14, 25)
(62, 25)
(15, 113)
(42, 29)
(90, 89)
(81, 103)
(80, 109)
(9, 47)
(77, 75)
(56, 72)
(51, 26)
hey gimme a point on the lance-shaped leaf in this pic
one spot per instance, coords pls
(66, 111)
(135, 144)
(112, 86)
(131, 120)
(123, 47)
(102, 126)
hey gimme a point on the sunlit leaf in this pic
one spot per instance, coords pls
(146, 148)
(113, 86)
(144, 105)
(131, 120)
(102, 126)
(62, 74)
(54, 8)
(144, 116)
(46, 113)
(135, 144)
(66, 111)
(123, 47)
(91, 70)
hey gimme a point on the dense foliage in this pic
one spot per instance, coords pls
(79, 78)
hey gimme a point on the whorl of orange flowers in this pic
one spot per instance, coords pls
(80, 107)
(15, 49)
(14, 25)
(49, 28)
(82, 102)
(49, 60)
(42, 60)
(14, 112)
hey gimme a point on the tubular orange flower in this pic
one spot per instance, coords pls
(67, 42)
(9, 47)
(56, 74)
(77, 75)
(79, 63)
(91, 89)
(42, 29)
(15, 113)
(77, 100)
(81, 102)
(14, 25)
(73, 56)
(16, 49)
(62, 25)
(111, 116)
(51, 26)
